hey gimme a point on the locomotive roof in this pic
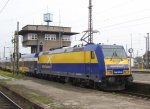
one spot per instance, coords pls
(112, 46)
(30, 55)
(87, 47)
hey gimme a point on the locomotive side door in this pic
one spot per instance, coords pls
(88, 68)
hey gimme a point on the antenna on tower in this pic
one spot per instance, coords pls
(47, 8)
(48, 17)
(89, 38)
(59, 18)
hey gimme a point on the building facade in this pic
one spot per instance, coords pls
(43, 37)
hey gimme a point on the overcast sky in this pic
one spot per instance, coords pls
(117, 20)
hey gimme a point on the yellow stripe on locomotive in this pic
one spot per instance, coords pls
(69, 57)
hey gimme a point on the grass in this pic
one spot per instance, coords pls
(61, 108)
(9, 74)
(40, 98)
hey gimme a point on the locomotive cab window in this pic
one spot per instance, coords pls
(92, 55)
(114, 52)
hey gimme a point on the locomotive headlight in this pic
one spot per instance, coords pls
(126, 71)
(109, 72)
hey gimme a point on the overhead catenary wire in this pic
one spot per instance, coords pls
(129, 21)
(127, 15)
(2, 9)
(113, 7)
(121, 16)
(119, 27)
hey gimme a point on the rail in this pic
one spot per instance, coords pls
(135, 94)
(138, 89)
(141, 70)
(7, 103)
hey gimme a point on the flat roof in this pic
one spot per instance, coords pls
(22, 32)
(46, 26)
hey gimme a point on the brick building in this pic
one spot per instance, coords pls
(43, 37)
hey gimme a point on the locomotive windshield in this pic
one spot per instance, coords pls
(114, 51)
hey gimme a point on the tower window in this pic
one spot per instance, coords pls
(32, 36)
(50, 37)
(66, 38)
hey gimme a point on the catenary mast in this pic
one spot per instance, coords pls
(90, 24)
(88, 36)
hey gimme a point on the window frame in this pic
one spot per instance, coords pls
(51, 37)
(32, 36)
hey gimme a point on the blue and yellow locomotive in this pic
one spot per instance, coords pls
(106, 66)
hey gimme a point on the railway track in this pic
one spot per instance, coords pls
(135, 94)
(7, 103)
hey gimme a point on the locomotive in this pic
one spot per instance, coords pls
(105, 66)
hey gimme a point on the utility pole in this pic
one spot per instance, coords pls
(126, 48)
(4, 53)
(61, 36)
(17, 47)
(131, 40)
(16, 50)
(146, 54)
(148, 49)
